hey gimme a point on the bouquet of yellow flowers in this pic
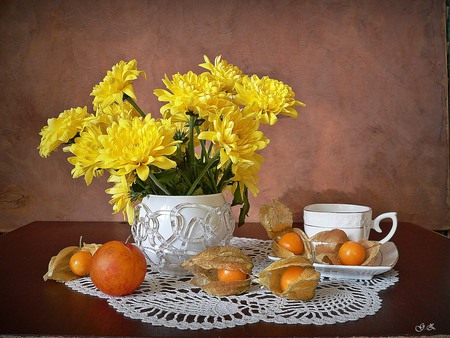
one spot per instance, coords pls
(207, 139)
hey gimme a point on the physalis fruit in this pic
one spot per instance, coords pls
(293, 278)
(219, 270)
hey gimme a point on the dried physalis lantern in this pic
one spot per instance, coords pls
(58, 267)
(293, 278)
(348, 252)
(326, 245)
(287, 241)
(372, 249)
(275, 218)
(221, 270)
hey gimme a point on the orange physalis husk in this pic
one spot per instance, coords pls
(58, 267)
(92, 247)
(326, 245)
(303, 288)
(372, 249)
(204, 267)
(284, 253)
(275, 218)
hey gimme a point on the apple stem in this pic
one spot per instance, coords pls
(126, 242)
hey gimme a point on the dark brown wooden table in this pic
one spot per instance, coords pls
(419, 304)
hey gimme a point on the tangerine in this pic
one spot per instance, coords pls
(227, 275)
(289, 276)
(351, 253)
(80, 263)
(292, 242)
(118, 268)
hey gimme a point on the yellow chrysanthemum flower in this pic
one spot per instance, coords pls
(115, 84)
(115, 112)
(190, 92)
(222, 71)
(246, 173)
(61, 130)
(265, 98)
(134, 145)
(210, 129)
(120, 192)
(86, 150)
(236, 136)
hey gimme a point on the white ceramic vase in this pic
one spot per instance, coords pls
(171, 229)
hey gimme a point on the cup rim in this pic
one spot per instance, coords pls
(340, 208)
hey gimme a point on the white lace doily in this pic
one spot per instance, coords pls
(173, 302)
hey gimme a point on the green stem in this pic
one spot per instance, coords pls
(141, 184)
(225, 177)
(134, 104)
(158, 184)
(210, 148)
(205, 153)
(185, 177)
(204, 171)
(191, 141)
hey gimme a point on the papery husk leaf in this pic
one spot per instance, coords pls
(334, 236)
(276, 218)
(220, 288)
(284, 253)
(219, 257)
(372, 249)
(329, 255)
(303, 288)
(204, 267)
(326, 245)
(92, 247)
(58, 268)
(327, 258)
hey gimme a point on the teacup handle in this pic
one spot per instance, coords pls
(376, 225)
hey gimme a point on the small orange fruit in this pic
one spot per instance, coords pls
(292, 242)
(80, 263)
(351, 253)
(289, 276)
(226, 275)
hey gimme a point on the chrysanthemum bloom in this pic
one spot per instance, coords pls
(237, 137)
(115, 84)
(134, 145)
(61, 130)
(266, 98)
(246, 174)
(198, 94)
(86, 150)
(223, 72)
(207, 140)
(115, 111)
(120, 192)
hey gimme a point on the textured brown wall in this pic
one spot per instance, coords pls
(373, 75)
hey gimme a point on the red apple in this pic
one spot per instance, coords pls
(118, 268)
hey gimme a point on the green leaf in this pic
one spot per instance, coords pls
(239, 199)
(245, 209)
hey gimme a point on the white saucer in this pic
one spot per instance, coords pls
(386, 260)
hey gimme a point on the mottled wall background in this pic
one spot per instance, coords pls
(372, 73)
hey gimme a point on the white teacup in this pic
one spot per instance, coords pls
(355, 220)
